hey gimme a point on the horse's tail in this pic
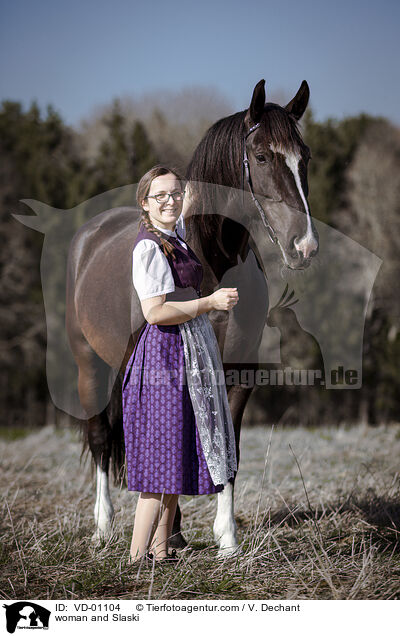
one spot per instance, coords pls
(113, 429)
(114, 413)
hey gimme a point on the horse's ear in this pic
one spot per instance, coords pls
(257, 102)
(298, 104)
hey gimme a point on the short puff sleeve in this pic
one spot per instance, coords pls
(151, 273)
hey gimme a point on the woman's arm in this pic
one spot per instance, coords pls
(158, 312)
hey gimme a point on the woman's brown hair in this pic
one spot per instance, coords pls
(141, 194)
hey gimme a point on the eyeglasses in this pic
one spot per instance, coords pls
(163, 197)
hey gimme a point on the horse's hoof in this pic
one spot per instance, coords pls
(177, 541)
(96, 539)
(229, 551)
(100, 536)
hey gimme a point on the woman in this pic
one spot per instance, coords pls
(178, 429)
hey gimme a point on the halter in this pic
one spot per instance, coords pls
(246, 170)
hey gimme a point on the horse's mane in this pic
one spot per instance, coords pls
(218, 152)
(218, 160)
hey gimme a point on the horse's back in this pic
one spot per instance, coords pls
(101, 303)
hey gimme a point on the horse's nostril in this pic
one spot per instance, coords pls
(292, 245)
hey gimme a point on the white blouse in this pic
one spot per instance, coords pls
(151, 273)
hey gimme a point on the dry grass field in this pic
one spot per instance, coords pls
(318, 515)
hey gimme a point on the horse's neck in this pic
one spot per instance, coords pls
(220, 258)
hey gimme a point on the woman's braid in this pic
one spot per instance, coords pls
(167, 247)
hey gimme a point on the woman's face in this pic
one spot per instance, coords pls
(164, 214)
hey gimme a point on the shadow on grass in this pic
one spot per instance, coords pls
(380, 514)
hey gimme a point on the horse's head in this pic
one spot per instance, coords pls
(277, 173)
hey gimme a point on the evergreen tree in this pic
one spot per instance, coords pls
(333, 144)
(112, 167)
(39, 159)
(143, 155)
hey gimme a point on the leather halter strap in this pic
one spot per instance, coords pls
(246, 169)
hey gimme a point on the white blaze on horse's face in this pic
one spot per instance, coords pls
(307, 243)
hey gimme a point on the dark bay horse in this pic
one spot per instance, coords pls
(259, 153)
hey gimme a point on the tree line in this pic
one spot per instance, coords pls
(354, 186)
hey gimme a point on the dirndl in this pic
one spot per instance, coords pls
(164, 453)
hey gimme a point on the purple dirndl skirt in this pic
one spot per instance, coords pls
(163, 448)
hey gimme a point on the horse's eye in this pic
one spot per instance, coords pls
(261, 158)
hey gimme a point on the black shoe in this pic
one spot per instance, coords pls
(170, 558)
(147, 558)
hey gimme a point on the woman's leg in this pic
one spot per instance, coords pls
(164, 529)
(152, 509)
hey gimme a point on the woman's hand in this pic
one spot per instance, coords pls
(187, 202)
(224, 298)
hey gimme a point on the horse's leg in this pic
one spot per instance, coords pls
(92, 382)
(224, 528)
(177, 540)
(100, 446)
(224, 525)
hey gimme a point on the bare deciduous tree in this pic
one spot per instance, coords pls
(374, 219)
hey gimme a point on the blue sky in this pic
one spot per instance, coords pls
(79, 54)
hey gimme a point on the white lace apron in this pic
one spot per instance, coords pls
(206, 385)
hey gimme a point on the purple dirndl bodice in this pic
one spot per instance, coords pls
(165, 440)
